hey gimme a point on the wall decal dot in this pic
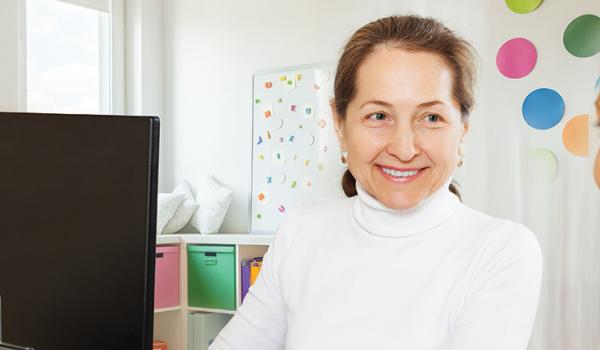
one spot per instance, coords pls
(516, 58)
(523, 6)
(541, 165)
(576, 135)
(597, 169)
(543, 108)
(582, 36)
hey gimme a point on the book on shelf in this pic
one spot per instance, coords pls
(255, 266)
(250, 270)
(245, 277)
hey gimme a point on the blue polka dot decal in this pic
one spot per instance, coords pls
(543, 108)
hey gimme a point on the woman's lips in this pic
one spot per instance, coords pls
(400, 175)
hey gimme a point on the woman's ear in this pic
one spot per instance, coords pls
(466, 128)
(338, 124)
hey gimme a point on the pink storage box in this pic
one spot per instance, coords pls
(166, 281)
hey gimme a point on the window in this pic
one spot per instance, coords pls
(69, 56)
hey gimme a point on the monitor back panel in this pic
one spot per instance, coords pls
(77, 216)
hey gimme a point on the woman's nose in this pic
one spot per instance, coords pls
(402, 143)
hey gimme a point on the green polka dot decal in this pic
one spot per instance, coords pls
(582, 36)
(523, 6)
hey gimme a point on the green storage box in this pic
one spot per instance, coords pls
(211, 276)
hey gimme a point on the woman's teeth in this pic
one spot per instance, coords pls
(398, 173)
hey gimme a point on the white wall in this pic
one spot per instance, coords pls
(12, 56)
(144, 66)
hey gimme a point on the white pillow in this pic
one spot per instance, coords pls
(167, 206)
(214, 200)
(185, 211)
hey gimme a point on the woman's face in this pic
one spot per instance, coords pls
(403, 128)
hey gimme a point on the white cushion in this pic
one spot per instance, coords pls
(214, 200)
(185, 211)
(167, 206)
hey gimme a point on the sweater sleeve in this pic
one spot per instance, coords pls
(260, 322)
(502, 297)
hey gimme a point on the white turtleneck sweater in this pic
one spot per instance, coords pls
(354, 274)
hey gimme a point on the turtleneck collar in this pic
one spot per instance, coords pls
(380, 220)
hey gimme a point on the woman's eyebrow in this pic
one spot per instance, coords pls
(387, 104)
(377, 102)
(431, 103)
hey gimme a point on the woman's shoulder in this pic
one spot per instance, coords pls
(502, 234)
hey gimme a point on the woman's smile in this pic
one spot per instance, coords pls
(402, 175)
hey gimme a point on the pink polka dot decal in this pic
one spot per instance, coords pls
(516, 58)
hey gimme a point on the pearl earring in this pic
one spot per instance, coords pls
(460, 161)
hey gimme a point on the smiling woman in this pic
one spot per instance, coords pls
(401, 263)
(402, 128)
(407, 79)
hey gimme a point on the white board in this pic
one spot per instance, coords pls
(295, 155)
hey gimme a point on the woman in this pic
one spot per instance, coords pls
(401, 263)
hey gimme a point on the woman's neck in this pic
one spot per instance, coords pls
(380, 220)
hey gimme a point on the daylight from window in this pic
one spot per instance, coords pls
(63, 58)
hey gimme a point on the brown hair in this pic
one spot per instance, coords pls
(412, 33)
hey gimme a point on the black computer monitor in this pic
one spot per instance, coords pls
(77, 230)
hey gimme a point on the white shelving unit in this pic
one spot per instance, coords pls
(170, 324)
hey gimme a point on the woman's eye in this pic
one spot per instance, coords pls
(377, 116)
(433, 118)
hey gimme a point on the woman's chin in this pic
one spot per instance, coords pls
(400, 201)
